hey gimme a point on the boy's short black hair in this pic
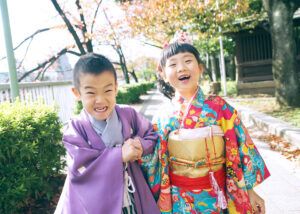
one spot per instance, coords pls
(92, 63)
(175, 48)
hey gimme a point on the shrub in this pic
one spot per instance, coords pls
(30, 156)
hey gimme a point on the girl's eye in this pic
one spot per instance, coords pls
(188, 61)
(89, 92)
(172, 65)
(107, 91)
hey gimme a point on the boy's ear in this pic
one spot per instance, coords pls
(76, 93)
(117, 88)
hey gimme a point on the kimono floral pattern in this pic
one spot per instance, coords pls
(245, 167)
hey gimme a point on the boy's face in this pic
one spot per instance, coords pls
(97, 93)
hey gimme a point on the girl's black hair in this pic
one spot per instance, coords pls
(92, 63)
(169, 51)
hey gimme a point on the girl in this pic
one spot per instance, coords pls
(207, 163)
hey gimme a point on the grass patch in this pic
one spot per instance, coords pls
(290, 115)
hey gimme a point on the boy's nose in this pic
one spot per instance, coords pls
(99, 99)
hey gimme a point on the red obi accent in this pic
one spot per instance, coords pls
(198, 183)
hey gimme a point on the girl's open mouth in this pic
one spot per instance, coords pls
(184, 77)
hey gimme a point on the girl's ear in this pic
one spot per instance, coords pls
(161, 72)
(76, 93)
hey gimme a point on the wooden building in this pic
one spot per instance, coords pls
(254, 58)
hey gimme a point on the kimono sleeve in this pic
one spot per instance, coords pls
(253, 166)
(145, 132)
(83, 157)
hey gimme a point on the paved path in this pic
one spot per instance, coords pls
(281, 191)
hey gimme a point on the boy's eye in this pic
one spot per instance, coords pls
(90, 92)
(188, 61)
(172, 65)
(107, 91)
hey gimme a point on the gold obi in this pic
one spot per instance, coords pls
(193, 152)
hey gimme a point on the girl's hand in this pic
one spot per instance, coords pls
(257, 203)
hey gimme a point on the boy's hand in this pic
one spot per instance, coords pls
(257, 203)
(132, 150)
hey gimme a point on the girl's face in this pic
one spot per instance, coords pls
(182, 71)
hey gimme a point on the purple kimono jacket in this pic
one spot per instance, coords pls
(95, 180)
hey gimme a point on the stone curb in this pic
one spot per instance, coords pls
(269, 124)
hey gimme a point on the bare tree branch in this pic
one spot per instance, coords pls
(20, 64)
(44, 64)
(44, 70)
(69, 26)
(153, 45)
(29, 37)
(32, 35)
(95, 15)
(115, 38)
(87, 40)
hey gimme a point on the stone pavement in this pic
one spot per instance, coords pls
(281, 191)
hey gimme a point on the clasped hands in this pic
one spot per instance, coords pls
(132, 149)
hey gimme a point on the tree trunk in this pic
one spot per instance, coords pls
(134, 76)
(287, 89)
(123, 64)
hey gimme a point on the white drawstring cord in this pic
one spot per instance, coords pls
(127, 184)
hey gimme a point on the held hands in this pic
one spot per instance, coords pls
(132, 150)
(257, 203)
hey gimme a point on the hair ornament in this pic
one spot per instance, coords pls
(181, 37)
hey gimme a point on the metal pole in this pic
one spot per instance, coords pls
(222, 61)
(222, 64)
(14, 87)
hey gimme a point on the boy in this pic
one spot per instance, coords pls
(103, 144)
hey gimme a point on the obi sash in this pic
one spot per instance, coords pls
(197, 160)
(195, 152)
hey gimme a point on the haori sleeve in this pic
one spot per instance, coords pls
(145, 132)
(83, 159)
(92, 173)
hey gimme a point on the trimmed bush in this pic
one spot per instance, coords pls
(30, 157)
(129, 94)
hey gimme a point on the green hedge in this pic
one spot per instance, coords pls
(30, 157)
(127, 94)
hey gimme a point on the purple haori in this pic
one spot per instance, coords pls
(95, 180)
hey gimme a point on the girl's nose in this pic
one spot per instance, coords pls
(180, 67)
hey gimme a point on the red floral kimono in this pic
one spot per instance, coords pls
(244, 166)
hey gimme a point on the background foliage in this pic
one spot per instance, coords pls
(30, 156)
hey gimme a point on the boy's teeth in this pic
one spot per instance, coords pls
(101, 109)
